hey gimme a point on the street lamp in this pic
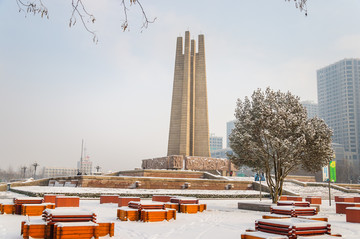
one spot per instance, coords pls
(35, 166)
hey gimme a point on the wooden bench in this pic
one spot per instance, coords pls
(261, 235)
(313, 200)
(294, 203)
(66, 201)
(78, 230)
(344, 199)
(7, 208)
(105, 228)
(202, 207)
(189, 208)
(293, 211)
(293, 227)
(275, 216)
(124, 201)
(290, 198)
(32, 209)
(146, 205)
(20, 201)
(126, 213)
(109, 199)
(157, 215)
(161, 198)
(33, 229)
(172, 205)
(353, 214)
(341, 206)
(51, 198)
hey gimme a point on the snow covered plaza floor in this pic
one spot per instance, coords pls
(222, 219)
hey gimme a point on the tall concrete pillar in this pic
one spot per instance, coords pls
(189, 124)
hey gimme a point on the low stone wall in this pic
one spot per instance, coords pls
(189, 163)
(161, 173)
(162, 183)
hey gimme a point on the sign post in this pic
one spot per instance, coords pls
(332, 176)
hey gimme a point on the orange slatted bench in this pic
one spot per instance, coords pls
(154, 215)
(275, 216)
(126, 213)
(184, 200)
(161, 198)
(315, 217)
(105, 228)
(33, 229)
(124, 201)
(293, 211)
(202, 207)
(53, 216)
(189, 208)
(293, 227)
(336, 236)
(7, 208)
(109, 199)
(313, 199)
(356, 199)
(29, 200)
(344, 199)
(49, 205)
(67, 201)
(51, 198)
(293, 203)
(261, 235)
(341, 206)
(146, 205)
(78, 230)
(172, 205)
(353, 214)
(32, 209)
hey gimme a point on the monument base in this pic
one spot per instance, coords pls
(180, 162)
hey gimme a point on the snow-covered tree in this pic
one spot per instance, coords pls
(272, 134)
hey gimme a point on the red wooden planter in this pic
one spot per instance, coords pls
(124, 201)
(341, 206)
(65, 201)
(161, 198)
(313, 200)
(353, 214)
(109, 199)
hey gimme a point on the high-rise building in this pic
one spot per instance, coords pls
(189, 124)
(229, 127)
(85, 166)
(311, 107)
(339, 104)
(216, 142)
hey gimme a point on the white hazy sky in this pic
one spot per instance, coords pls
(57, 87)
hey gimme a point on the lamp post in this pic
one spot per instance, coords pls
(35, 166)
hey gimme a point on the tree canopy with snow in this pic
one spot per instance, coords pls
(273, 134)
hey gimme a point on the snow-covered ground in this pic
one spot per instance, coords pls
(221, 220)
(86, 190)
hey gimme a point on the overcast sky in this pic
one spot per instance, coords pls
(57, 87)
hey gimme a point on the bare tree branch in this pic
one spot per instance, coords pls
(79, 10)
(301, 5)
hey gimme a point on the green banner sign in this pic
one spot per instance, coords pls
(332, 167)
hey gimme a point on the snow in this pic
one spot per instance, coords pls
(222, 219)
(124, 191)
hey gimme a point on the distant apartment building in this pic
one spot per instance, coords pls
(216, 142)
(311, 107)
(229, 127)
(50, 172)
(339, 105)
